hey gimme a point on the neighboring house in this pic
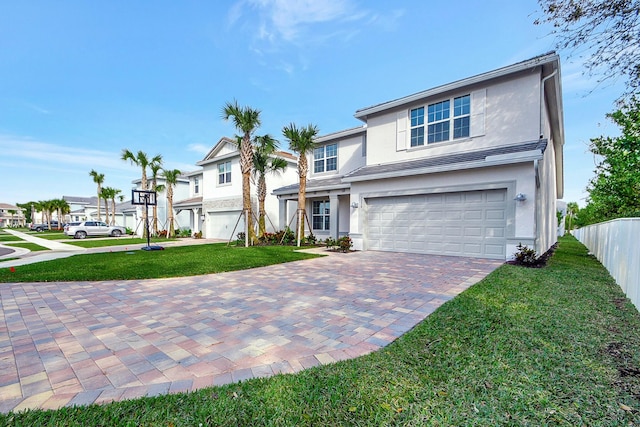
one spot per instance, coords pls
(469, 168)
(11, 216)
(328, 196)
(214, 202)
(86, 208)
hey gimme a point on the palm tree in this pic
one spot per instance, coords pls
(171, 178)
(114, 194)
(246, 120)
(106, 195)
(264, 161)
(572, 211)
(13, 213)
(155, 168)
(98, 178)
(62, 208)
(302, 142)
(47, 207)
(141, 159)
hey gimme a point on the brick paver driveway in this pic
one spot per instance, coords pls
(84, 342)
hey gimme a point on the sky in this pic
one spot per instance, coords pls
(81, 81)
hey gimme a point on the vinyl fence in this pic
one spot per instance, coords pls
(616, 244)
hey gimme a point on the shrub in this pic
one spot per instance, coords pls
(311, 239)
(162, 233)
(184, 232)
(345, 243)
(330, 243)
(198, 235)
(525, 256)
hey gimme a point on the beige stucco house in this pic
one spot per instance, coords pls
(469, 168)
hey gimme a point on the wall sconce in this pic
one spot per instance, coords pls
(520, 197)
(354, 205)
(203, 217)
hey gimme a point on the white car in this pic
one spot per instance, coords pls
(94, 228)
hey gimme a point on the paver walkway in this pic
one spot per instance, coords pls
(85, 342)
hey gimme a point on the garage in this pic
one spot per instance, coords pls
(220, 225)
(465, 223)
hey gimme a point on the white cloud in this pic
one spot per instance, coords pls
(199, 148)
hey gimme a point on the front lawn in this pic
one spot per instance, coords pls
(553, 346)
(139, 264)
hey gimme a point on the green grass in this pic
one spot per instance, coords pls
(28, 245)
(139, 264)
(524, 347)
(112, 241)
(6, 237)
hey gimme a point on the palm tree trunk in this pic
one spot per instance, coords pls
(246, 165)
(302, 196)
(262, 195)
(171, 231)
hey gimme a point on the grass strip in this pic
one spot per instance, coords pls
(139, 264)
(123, 241)
(33, 247)
(6, 237)
(550, 346)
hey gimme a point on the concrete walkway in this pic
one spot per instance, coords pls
(56, 250)
(78, 343)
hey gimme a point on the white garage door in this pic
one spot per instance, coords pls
(220, 225)
(469, 223)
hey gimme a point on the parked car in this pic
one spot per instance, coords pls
(70, 224)
(43, 227)
(94, 228)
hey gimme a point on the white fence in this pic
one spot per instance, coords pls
(616, 244)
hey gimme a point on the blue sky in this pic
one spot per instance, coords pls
(80, 81)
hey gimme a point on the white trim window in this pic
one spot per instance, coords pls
(224, 173)
(440, 121)
(320, 211)
(196, 186)
(325, 158)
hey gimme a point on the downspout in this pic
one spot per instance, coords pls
(535, 162)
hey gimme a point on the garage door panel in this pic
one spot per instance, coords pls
(465, 223)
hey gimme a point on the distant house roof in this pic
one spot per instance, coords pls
(472, 159)
(91, 201)
(9, 207)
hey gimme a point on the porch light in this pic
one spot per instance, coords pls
(354, 205)
(520, 197)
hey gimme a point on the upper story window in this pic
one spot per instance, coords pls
(440, 120)
(325, 158)
(224, 173)
(196, 185)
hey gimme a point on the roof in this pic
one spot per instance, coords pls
(547, 58)
(212, 155)
(186, 203)
(93, 200)
(8, 206)
(479, 158)
(341, 134)
(324, 184)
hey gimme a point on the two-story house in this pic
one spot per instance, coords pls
(470, 168)
(11, 216)
(214, 203)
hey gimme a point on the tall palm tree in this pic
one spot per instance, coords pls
(302, 142)
(47, 207)
(106, 195)
(246, 120)
(98, 178)
(572, 211)
(264, 162)
(62, 208)
(142, 160)
(114, 194)
(155, 168)
(171, 178)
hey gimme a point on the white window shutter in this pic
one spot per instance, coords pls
(478, 102)
(401, 131)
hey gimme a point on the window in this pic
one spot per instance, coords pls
(417, 127)
(439, 121)
(224, 173)
(320, 215)
(325, 158)
(196, 185)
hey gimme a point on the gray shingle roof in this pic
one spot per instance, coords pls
(451, 159)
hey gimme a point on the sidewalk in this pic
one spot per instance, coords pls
(64, 250)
